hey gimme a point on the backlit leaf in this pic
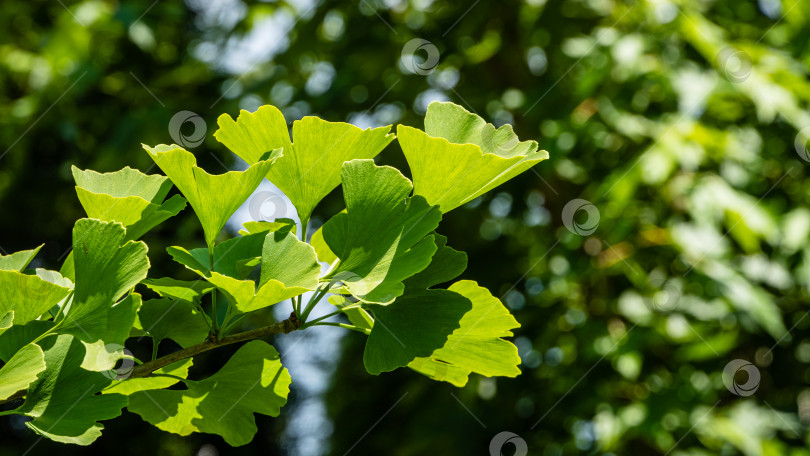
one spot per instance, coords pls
(459, 156)
(214, 197)
(381, 240)
(62, 402)
(310, 166)
(252, 381)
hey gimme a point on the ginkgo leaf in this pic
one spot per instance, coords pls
(186, 290)
(160, 379)
(459, 156)
(413, 326)
(263, 227)
(244, 296)
(289, 261)
(105, 345)
(6, 320)
(106, 268)
(123, 183)
(21, 370)
(128, 197)
(381, 240)
(446, 264)
(289, 268)
(214, 197)
(420, 321)
(354, 312)
(337, 230)
(63, 401)
(236, 257)
(478, 344)
(18, 336)
(29, 296)
(310, 166)
(252, 381)
(18, 261)
(173, 319)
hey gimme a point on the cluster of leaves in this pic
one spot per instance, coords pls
(63, 333)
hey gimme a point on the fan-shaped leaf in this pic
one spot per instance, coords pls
(381, 240)
(214, 197)
(252, 381)
(310, 167)
(460, 156)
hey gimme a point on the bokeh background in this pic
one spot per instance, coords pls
(665, 239)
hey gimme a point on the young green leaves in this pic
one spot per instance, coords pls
(382, 238)
(128, 197)
(214, 197)
(310, 167)
(460, 157)
(59, 341)
(252, 381)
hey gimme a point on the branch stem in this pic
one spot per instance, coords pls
(283, 327)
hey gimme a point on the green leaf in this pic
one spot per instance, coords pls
(124, 183)
(287, 260)
(263, 227)
(418, 323)
(173, 319)
(214, 197)
(461, 157)
(477, 345)
(158, 380)
(6, 320)
(106, 268)
(357, 315)
(62, 402)
(289, 268)
(21, 370)
(446, 265)
(18, 261)
(196, 262)
(415, 325)
(186, 290)
(29, 296)
(18, 336)
(128, 197)
(105, 346)
(381, 240)
(252, 381)
(337, 230)
(310, 167)
(236, 257)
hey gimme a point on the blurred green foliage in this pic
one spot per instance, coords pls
(684, 123)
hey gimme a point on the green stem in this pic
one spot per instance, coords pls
(153, 374)
(230, 324)
(344, 325)
(67, 302)
(215, 315)
(154, 348)
(283, 327)
(304, 223)
(313, 301)
(315, 321)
